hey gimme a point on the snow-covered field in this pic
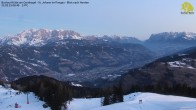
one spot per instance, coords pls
(150, 101)
(84, 104)
(8, 98)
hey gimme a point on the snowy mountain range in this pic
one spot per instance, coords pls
(167, 43)
(40, 37)
(164, 43)
(67, 55)
(173, 37)
(72, 60)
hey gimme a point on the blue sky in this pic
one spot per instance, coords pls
(138, 18)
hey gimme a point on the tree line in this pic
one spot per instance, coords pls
(166, 89)
(56, 94)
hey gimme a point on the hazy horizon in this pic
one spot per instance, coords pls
(124, 18)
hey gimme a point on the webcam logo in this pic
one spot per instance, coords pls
(187, 8)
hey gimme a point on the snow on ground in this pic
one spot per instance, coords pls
(17, 59)
(150, 101)
(71, 74)
(186, 63)
(84, 104)
(176, 64)
(182, 54)
(74, 84)
(8, 98)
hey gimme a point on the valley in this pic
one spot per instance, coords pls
(62, 67)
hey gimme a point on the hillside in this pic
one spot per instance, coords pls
(150, 101)
(9, 97)
(68, 56)
(177, 70)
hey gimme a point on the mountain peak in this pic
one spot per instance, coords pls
(40, 36)
(172, 37)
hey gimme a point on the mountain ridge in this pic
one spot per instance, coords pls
(172, 37)
(67, 55)
(39, 37)
(172, 70)
(73, 60)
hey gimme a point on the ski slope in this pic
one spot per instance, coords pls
(84, 104)
(8, 98)
(150, 101)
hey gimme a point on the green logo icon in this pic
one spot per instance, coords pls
(187, 7)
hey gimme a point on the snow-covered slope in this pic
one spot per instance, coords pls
(150, 101)
(84, 104)
(8, 98)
